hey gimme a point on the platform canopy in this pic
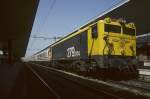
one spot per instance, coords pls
(16, 21)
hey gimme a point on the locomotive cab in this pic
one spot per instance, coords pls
(114, 49)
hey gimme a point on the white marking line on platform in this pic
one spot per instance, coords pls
(147, 63)
(144, 71)
(51, 89)
(98, 81)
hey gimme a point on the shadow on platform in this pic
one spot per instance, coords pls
(19, 82)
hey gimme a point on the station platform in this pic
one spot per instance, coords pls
(144, 71)
(8, 77)
(145, 74)
(17, 81)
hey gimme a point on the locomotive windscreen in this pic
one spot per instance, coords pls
(112, 28)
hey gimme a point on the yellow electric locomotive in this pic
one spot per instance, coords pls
(112, 43)
(106, 47)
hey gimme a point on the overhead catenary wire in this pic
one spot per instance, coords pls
(47, 15)
(47, 38)
(41, 25)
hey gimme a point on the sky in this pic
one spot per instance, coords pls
(57, 18)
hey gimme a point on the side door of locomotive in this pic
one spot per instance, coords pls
(83, 45)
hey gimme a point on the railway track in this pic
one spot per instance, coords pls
(134, 86)
(97, 93)
(113, 89)
(137, 84)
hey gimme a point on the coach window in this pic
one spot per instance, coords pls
(94, 31)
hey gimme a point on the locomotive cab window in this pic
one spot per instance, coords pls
(94, 31)
(112, 28)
